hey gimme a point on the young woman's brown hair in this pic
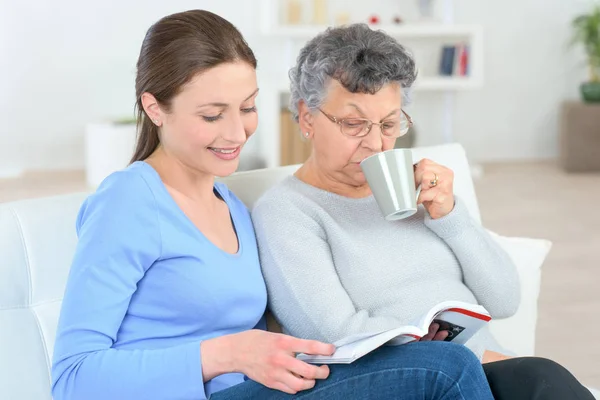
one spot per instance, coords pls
(175, 49)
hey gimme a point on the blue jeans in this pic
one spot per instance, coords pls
(421, 370)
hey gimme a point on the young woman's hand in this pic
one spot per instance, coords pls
(267, 358)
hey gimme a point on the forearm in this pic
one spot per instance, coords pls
(487, 270)
(159, 374)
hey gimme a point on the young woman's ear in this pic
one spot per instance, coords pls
(305, 120)
(152, 108)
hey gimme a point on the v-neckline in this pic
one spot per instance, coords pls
(234, 221)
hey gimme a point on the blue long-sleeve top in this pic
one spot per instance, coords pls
(145, 288)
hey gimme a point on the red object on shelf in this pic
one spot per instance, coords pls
(374, 19)
(464, 61)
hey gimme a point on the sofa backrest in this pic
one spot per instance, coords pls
(37, 243)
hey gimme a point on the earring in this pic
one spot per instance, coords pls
(306, 134)
(155, 121)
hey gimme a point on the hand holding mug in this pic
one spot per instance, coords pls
(393, 178)
(437, 188)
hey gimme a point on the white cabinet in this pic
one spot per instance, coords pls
(108, 148)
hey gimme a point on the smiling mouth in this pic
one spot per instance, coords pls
(227, 154)
(223, 151)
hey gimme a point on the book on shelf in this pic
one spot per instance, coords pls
(461, 320)
(455, 60)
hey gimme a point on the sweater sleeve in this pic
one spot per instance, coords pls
(487, 269)
(119, 240)
(305, 293)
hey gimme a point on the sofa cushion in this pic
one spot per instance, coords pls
(517, 333)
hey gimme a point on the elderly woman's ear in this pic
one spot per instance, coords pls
(305, 119)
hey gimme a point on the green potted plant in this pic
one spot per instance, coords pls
(587, 33)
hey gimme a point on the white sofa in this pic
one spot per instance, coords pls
(37, 241)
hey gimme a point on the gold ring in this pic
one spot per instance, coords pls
(434, 182)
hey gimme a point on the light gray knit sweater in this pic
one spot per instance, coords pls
(335, 267)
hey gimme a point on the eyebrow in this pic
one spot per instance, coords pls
(363, 114)
(225, 105)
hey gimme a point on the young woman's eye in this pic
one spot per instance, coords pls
(212, 118)
(249, 110)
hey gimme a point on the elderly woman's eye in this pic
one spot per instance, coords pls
(354, 123)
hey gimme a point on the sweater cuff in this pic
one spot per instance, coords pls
(455, 223)
(192, 363)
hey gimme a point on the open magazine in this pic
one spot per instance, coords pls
(461, 320)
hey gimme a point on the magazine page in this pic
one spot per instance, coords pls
(352, 349)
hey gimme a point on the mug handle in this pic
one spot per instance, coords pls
(418, 187)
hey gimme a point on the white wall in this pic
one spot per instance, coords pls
(65, 63)
(529, 72)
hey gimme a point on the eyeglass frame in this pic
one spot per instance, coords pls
(370, 124)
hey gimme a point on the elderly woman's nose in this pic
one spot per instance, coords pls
(373, 139)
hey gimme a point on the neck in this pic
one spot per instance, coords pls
(175, 174)
(313, 175)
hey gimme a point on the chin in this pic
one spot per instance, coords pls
(222, 169)
(357, 177)
(360, 180)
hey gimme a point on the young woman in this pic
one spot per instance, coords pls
(165, 298)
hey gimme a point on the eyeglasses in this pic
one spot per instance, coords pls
(360, 127)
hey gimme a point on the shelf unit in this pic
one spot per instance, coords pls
(415, 29)
(293, 35)
(473, 34)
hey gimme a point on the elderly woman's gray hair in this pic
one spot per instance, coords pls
(361, 59)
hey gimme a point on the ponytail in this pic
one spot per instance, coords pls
(147, 137)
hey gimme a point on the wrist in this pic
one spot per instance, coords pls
(452, 224)
(217, 357)
(447, 209)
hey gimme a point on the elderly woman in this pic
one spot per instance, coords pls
(334, 266)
